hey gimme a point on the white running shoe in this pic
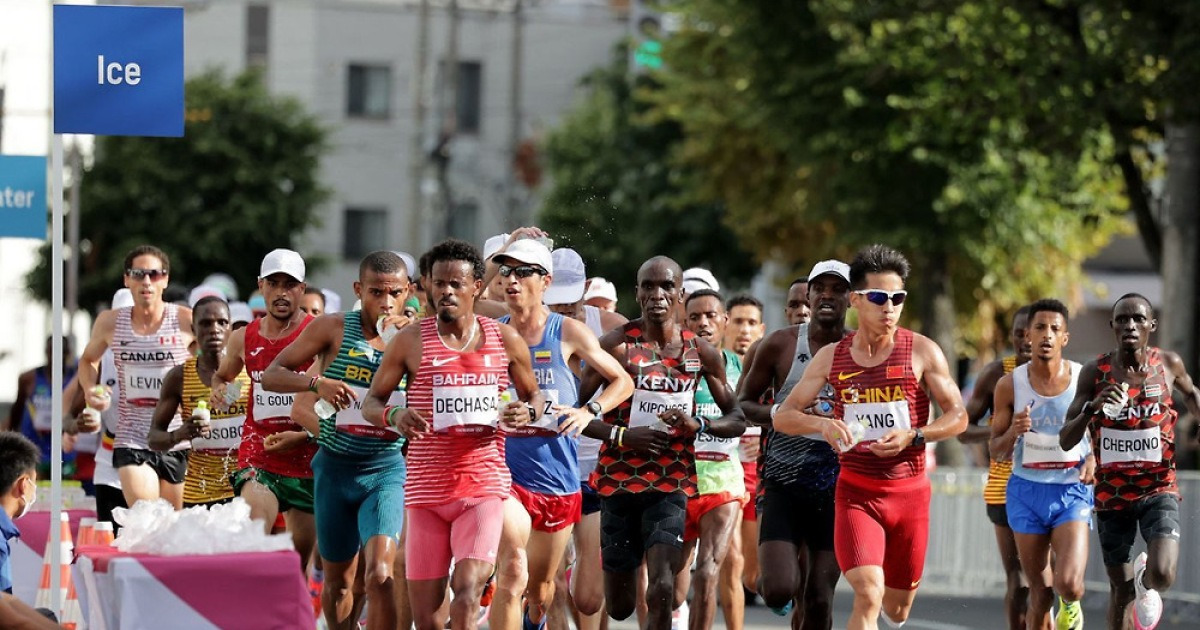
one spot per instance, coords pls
(1147, 605)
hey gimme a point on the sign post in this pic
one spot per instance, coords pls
(117, 71)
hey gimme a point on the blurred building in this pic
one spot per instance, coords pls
(354, 64)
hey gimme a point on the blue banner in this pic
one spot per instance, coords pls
(118, 71)
(23, 196)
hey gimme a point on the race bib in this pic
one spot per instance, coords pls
(878, 418)
(545, 425)
(1130, 449)
(716, 449)
(142, 384)
(1041, 451)
(466, 409)
(43, 420)
(647, 405)
(350, 420)
(272, 407)
(224, 435)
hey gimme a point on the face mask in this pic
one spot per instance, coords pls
(30, 499)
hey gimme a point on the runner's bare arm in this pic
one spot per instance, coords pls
(520, 371)
(935, 374)
(1184, 384)
(231, 365)
(747, 361)
(169, 399)
(402, 358)
(1004, 430)
(303, 412)
(980, 403)
(759, 376)
(17, 410)
(613, 344)
(1082, 408)
(89, 361)
(580, 343)
(791, 418)
(733, 422)
(317, 340)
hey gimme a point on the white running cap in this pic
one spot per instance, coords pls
(240, 312)
(695, 279)
(601, 288)
(283, 261)
(530, 252)
(570, 277)
(493, 245)
(835, 267)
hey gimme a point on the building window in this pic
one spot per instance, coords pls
(369, 91)
(465, 222)
(258, 30)
(365, 231)
(470, 96)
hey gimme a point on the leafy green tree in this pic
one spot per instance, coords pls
(617, 197)
(239, 183)
(935, 127)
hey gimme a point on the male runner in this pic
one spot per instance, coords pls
(879, 375)
(456, 365)
(213, 456)
(568, 298)
(31, 411)
(1016, 593)
(744, 329)
(647, 466)
(798, 567)
(358, 472)
(797, 310)
(272, 481)
(1135, 474)
(1049, 499)
(313, 302)
(148, 339)
(542, 457)
(715, 511)
(601, 293)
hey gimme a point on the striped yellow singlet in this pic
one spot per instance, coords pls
(999, 470)
(208, 471)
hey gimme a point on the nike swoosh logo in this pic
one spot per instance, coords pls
(255, 351)
(649, 363)
(443, 361)
(843, 376)
(553, 524)
(356, 353)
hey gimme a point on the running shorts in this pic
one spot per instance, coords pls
(1038, 508)
(880, 522)
(700, 505)
(1156, 515)
(356, 497)
(463, 529)
(632, 523)
(291, 492)
(549, 512)
(170, 466)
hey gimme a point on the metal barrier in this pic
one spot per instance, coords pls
(962, 559)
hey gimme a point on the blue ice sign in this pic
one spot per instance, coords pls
(23, 196)
(118, 71)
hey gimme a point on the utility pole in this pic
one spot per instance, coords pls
(72, 284)
(515, 217)
(416, 199)
(449, 119)
(1179, 251)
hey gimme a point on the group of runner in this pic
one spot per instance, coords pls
(477, 432)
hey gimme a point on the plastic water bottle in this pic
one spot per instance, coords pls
(1112, 409)
(324, 409)
(201, 413)
(386, 333)
(857, 431)
(233, 391)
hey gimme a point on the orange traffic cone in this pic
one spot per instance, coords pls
(102, 533)
(87, 526)
(44, 597)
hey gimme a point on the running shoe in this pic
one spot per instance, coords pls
(1147, 606)
(526, 624)
(785, 610)
(1069, 617)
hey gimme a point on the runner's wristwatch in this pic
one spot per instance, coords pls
(594, 408)
(918, 438)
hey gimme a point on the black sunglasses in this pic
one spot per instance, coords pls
(524, 271)
(153, 274)
(879, 297)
